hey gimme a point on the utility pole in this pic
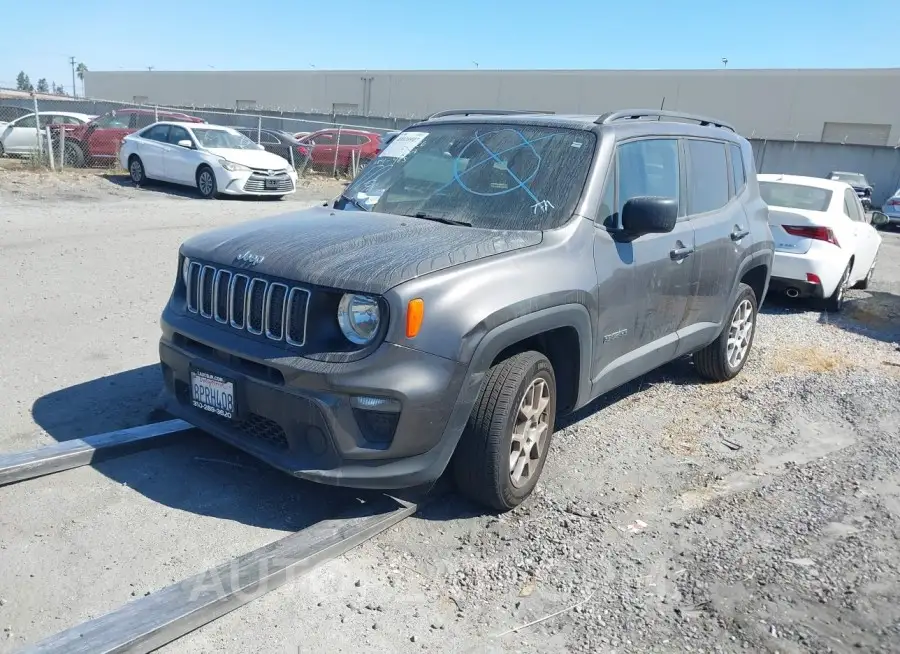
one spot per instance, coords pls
(74, 88)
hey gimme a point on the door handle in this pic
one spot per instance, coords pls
(739, 233)
(679, 254)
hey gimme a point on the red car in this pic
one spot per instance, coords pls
(327, 146)
(98, 141)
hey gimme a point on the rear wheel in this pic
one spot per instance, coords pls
(74, 155)
(206, 182)
(501, 453)
(864, 284)
(725, 357)
(835, 302)
(136, 170)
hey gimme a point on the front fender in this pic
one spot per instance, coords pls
(482, 345)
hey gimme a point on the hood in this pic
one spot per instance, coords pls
(251, 158)
(353, 250)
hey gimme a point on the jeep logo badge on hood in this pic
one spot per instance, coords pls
(248, 259)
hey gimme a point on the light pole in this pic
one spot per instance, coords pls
(74, 88)
(724, 62)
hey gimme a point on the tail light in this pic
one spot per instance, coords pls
(302, 151)
(816, 233)
(894, 202)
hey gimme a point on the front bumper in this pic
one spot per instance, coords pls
(301, 416)
(247, 182)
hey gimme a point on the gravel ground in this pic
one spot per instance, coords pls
(756, 515)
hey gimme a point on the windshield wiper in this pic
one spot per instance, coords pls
(438, 219)
(356, 203)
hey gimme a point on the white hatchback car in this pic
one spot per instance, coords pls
(824, 241)
(214, 160)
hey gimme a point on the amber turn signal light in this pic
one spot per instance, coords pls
(415, 312)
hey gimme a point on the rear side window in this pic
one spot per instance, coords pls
(853, 206)
(156, 133)
(708, 174)
(738, 173)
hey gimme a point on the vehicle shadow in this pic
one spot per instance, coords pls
(193, 472)
(871, 313)
(174, 190)
(453, 506)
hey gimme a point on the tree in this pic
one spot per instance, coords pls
(22, 82)
(42, 86)
(80, 70)
(58, 89)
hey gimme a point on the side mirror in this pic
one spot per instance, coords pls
(186, 143)
(648, 215)
(260, 146)
(879, 219)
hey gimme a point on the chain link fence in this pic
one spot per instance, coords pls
(87, 133)
(82, 133)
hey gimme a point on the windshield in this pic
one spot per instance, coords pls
(795, 196)
(488, 175)
(850, 178)
(220, 138)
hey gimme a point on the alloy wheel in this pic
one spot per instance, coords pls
(739, 333)
(530, 432)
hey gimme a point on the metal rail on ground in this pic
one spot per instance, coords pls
(66, 455)
(150, 622)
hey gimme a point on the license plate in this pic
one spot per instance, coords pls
(272, 184)
(212, 393)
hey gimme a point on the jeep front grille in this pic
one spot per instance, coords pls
(248, 303)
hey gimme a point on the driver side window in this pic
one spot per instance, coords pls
(648, 167)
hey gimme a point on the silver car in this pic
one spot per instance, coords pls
(891, 208)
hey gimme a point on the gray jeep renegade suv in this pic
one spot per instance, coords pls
(488, 272)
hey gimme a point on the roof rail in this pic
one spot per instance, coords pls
(484, 112)
(634, 114)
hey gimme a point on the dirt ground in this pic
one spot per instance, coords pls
(757, 515)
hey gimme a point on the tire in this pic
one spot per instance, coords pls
(716, 362)
(863, 284)
(835, 302)
(2, 151)
(74, 155)
(206, 183)
(136, 170)
(482, 461)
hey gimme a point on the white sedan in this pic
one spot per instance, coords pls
(20, 137)
(824, 241)
(214, 160)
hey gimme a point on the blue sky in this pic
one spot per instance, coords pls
(39, 37)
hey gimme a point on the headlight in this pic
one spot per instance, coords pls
(359, 317)
(231, 166)
(185, 270)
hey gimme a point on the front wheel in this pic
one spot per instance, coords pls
(502, 451)
(725, 357)
(206, 182)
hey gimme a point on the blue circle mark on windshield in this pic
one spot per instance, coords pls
(494, 157)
